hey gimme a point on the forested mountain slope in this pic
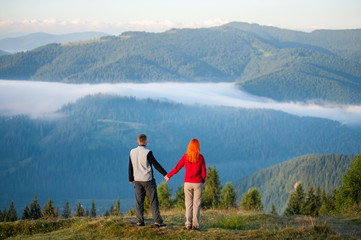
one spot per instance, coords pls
(281, 64)
(34, 40)
(275, 183)
(344, 43)
(85, 152)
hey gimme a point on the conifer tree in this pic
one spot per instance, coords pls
(349, 193)
(1, 216)
(4, 215)
(106, 214)
(26, 213)
(117, 208)
(11, 215)
(252, 200)
(324, 211)
(66, 212)
(212, 189)
(146, 203)
(296, 201)
(274, 211)
(111, 210)
(35, 210)
(310, 207)
(228, 196)
(179, 198)
(323, 196)
(93, 212)
(318, 199)
(79, 211)
(328, 203)
(87, 213)
(56, 213)
(44, 207)
(49, 210)
(164, 196)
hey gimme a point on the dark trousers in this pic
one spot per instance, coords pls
(149, 188)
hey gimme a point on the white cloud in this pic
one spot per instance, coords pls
(39, 99)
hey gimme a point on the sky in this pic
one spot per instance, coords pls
(43, 99)
(117, 16)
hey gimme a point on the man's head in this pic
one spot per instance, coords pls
(142, 139)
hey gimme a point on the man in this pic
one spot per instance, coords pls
(141, 161)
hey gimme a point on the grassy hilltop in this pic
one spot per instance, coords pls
(215, 224)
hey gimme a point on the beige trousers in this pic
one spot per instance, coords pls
(193, 197)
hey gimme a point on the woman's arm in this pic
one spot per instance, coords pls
(204, 171)
(177, 168)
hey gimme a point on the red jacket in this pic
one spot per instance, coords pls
(195, 172)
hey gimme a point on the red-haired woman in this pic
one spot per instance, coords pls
(194, 178)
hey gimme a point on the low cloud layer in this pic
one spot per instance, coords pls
(43, 99)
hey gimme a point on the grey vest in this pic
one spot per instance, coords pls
(142, 170)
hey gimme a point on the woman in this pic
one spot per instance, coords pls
(195, 176)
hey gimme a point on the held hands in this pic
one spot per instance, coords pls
(166, 178)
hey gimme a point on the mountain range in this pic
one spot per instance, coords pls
(35, 40)
(284, 65)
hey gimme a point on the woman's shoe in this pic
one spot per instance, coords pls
(195, 228)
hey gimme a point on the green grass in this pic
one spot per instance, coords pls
(214, 224)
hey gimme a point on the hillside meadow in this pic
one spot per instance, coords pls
(215, 224)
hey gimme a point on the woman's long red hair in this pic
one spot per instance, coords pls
(193, 151)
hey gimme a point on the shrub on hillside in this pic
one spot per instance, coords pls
(252, 200)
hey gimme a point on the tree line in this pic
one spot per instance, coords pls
(344, 199)
(347, 198)
(276, 182)
(49, 211)
(214, 196)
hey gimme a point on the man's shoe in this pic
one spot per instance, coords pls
(160, 224)
(140, 224)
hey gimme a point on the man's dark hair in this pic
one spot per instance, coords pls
(142, 138)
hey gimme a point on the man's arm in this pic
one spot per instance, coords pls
(130, 171)
(157, 166)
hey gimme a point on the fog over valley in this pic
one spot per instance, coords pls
(43, 99)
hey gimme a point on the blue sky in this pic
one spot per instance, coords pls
(115, 16)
